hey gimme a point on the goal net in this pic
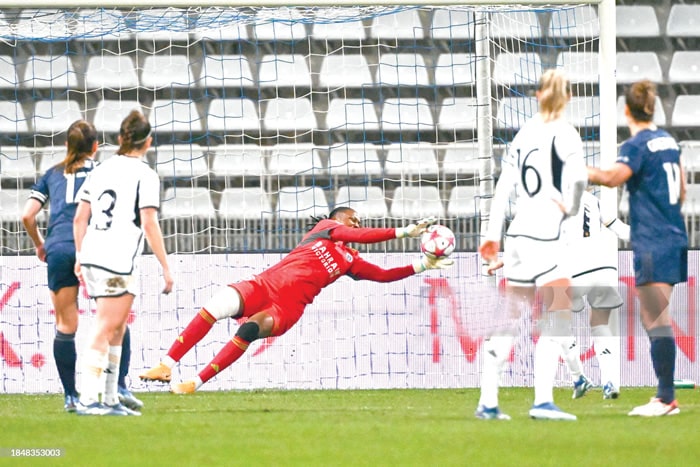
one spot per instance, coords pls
(265, 116)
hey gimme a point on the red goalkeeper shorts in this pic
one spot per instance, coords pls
(256, 297)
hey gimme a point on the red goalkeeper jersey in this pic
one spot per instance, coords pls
(322, 257)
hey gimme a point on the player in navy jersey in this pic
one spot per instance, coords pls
(59, 187)
(649, 164)
(274, 300)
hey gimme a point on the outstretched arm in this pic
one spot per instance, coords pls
(343, 233)
(615, 176)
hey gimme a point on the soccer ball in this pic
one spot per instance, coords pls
(437, 242)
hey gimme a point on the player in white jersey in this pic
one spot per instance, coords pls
(545, 165)
(118, 205)
(594, 276)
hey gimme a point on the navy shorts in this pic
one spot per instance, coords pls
(667, 264)
(60, 261)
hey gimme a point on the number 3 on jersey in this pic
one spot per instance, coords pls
(673, 176)
(102, 216)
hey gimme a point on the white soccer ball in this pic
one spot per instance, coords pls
(437, 242)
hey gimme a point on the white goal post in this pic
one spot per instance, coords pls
(267, 113)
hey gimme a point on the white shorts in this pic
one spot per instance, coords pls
(599, 286)
(102, 283)
(528, 262)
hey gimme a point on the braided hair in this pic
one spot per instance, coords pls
(134, 132)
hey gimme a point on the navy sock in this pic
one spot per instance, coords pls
(663, 357)
(65, 356)
(126, 358)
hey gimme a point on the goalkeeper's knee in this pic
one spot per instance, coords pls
(249, 331)
(226, 303)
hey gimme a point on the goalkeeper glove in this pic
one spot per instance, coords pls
(427, 262)
(414, 230)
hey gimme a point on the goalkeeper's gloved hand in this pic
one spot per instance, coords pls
(414, 230)
(427, 262)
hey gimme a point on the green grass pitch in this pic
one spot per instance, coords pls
(373, 428)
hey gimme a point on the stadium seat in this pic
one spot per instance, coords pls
(54, 116)
(411, 160)
(659, 113)
(12, 204)
(237, 160)
(584, 111)
(180, 161)
(578, 22)
(354, 159)
(690, 152)
(683, 21)
(580, 67)
(345, 71)
(294, 159)
(245, 203)
(98, 24)
(187, 202)
(457, 113)
(161, 24)
(44, 24)
(455, 70)
(226, 71)
(452, 24)
(166, 71)
(514, 111)
(460, 160)
(685, 67)
(220, 24)
(109, 114)
(8, 72)
(341, 31)
(168, 115)
(301, 202)
(283, 70)
(406, 114)
(463, 202)
(368, 201)
(633, 66)
(512, 69)
(289, 114)
(686, 111)
(402, 69)
(415, 202)
(636, 21)
(233, 116)
(49, 156)
(12, 118)
(352, 114)
(17, 162)
(405, 24)
(114, 72)
(49, 72)
(515, 24)
(268, 30)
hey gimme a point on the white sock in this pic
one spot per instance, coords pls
(607, 350)
(572, 357)
(93, 376)
(547, 353)
(197, 382)
(112, 375)
(168, 361)
(496, 351)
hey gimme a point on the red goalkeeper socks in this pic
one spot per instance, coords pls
(193, 333)
(231, 352)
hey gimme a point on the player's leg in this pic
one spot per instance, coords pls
(607, 350)
(497, 349)
(125, 396)
(555, 332)
(65, 303)
(570, 349)
(258, 326)
(226, 303)
(118, 309)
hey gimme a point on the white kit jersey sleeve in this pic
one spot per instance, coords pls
(116, 191)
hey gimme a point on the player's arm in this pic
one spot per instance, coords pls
(31, 209)
(619, 228)
(613, 177)
(364, 270)
(499, 205)
(154, 236)
(343, 233)
(80, 225)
